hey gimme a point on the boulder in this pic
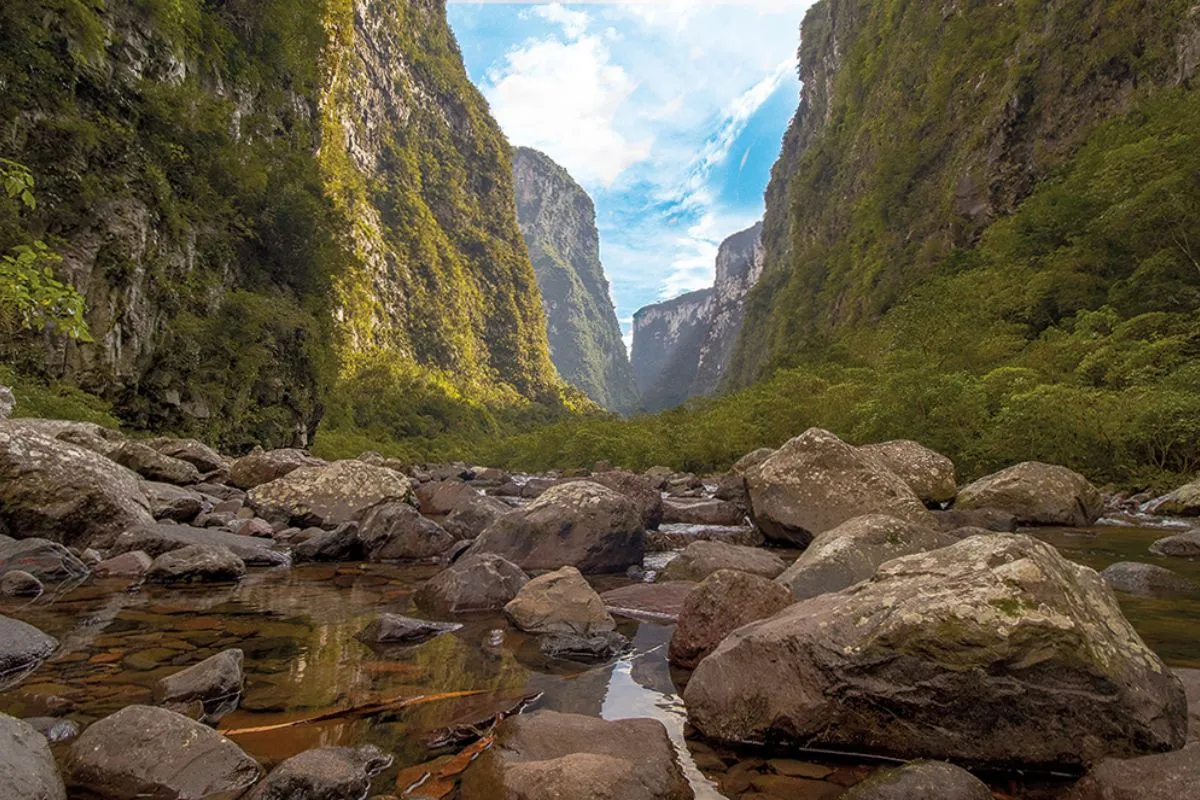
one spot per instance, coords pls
(1183, 502)
(173, 502)
(1167, 776)
(198, 454)
(265, 466)
(393, 530)
(18, 583)
(751, 460)
(42, 558)
(87, 435)
(127, 565)
(65, 493)
(702, 511)
(472, 515)
(142, 751)
(327, 495)
(54, 729)
(921, 780)
(8, 402)
(548, 754)
(582, 647)
(1136, 578)
(578, 524)
(156, 539)
(475, 582)
(22, 650)
(325, 773)
(992, 519)
(1190, 678)
(26, 763)
(559, 602)
(197, 563)
(215, 678)
(928, 473)
(1036, 494)
(398, 629)
(153, 465)
(639, 489)
(1179, 545)
(340, 544)
(723, 602)
(659, 602)
(852, 552)
(677, 537)
(701, 559)
(949, 655)
(816, 482)
(439, 498)
(254, 526)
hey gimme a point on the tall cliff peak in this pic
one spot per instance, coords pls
(558, 222)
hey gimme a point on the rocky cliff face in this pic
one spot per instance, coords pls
(682, 347)
(259, 198)
(558, 221)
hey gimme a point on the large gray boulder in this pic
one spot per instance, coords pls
(27, 769)
(1183, 502)
(87, 435)
(703, 558)
(547, 754)
(949, 655)
(1134, 577)
(723, 602)
(153, 465)
(339, 544)
(42, 558)
(1036, 494)
(198, 454)
(928, 473)
(639, 489)
(702, 511)
(265, 466)
(197, 563)
(326, 773)
(154, 539)
(329, 494)
(559, 602)
(394, 530)
(142, 752)
(852, 552)
(1166, 776)
(921, 780)
(63, 492)
(1178, 545)
(473, 514)
(579, 524)
(215, 678)
(22, 649)
(175, 503)
(816, 482)
(475, 582)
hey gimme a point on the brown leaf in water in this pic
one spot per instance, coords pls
(360, 710)
(457, 764)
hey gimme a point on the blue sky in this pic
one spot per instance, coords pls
(669, 114)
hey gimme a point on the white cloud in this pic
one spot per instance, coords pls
(574, 23)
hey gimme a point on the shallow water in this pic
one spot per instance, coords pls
(297, 628)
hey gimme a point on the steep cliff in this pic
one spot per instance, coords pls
(260, 200)
(739, 266)
(923, 125)
(558, 221)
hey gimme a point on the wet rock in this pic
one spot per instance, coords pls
(198, 454)
(54, 729)
(723, 602)
(153, 465)
(1183, 502)
(547, 754)
(579, 524)
(920, 780)
(197, 563)
(1137, 578)
(398, 629)
(660, 602)
(638, 489)
(156, 539)
(992, 519)
(928, 473)
(472, 515)
(852, 552)
(127, 565)
(62, 492)
(949, 654)
(702, 512)
(677, 537)
(262, 467)
(394, 530)
(1179, 545)
(1169, 776)
(326, 773)
(816, 482)
(583, 647)
(217, 678)
(173, 502)
(22, 649)
(702, 559)
(339, 544)
(42, 558)
(18, 583)
(327, 495)
(559, 602)
(475, 582)
(1036, 494)
(27, 767)
(142, 752)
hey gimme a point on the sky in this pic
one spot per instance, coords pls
(669, 114)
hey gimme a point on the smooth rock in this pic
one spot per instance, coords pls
(1190, 678)
(583, 647)
(263, 467)
(1168, 776)
(1137, 578)
(127, 565)
(578, 524)
(215, 678)
(1179, 545)
(928, 473)
(398, 629)
(992, 519)
(1036, 494)
(325, 773)
(638, 489)
(27, 769)
(949, 654)
(852, 552)
(326, 495)
(751, 460)
(1183, 502)
(473, 514)
(394, 530)
(173, 502)
(22, 649)
(153, 465)
(197, 563)
(145, 752)
(475, 582)
(156, 539)
(723, 602)
(42, 558)
(18, 583)
(702, 559)
(816, 482)
(196, 453)
(559, 602)
(660, 602)
(702, 511)
(340, 544)
(921, 780)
